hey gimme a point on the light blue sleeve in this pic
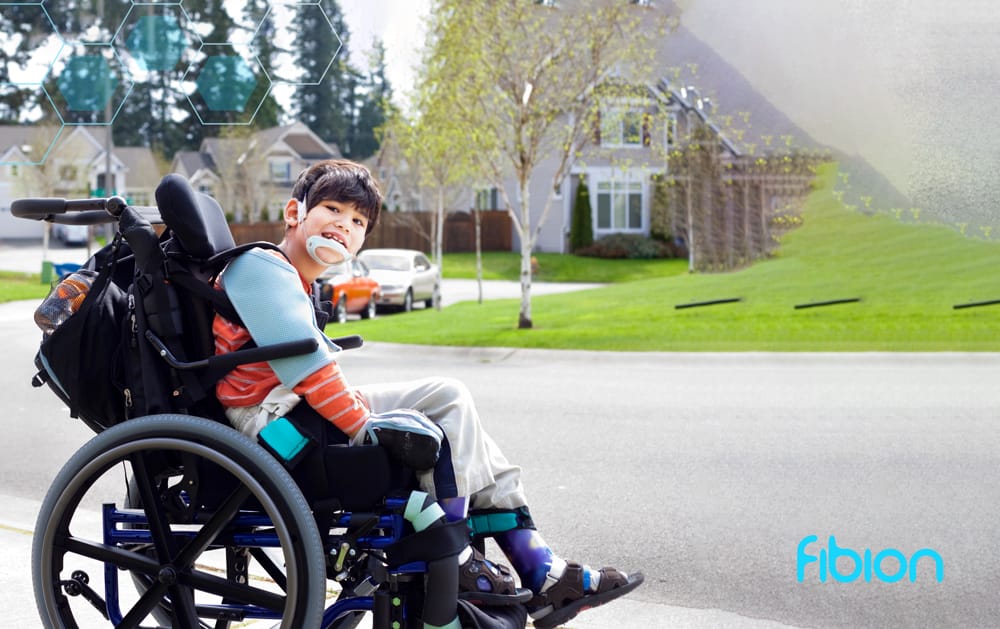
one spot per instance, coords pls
(267, 294)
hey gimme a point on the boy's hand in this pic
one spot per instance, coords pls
(410, 438)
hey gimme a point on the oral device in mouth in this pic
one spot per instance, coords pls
(340, 252)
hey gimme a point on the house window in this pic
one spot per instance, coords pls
(619, 205)
(281, 171)
(67, 173)
(622, 127)
(13, 170)
(671, 132)
(487, 199)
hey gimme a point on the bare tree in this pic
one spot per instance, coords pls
(519, 80)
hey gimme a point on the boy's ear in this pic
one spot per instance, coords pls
(292, 217)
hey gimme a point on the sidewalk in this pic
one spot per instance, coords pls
(18, 599)
(25, 256)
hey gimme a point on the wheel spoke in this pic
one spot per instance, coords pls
(211, 530)
(146, 604)
(156, 518)
(182, 604)
(211, 584)
(110, 554)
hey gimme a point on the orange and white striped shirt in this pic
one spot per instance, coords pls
(325, 390)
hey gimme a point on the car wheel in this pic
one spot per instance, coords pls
(340, 314)
(435, 297)
(370, 309)
(408, 301)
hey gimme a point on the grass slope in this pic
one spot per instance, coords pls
(907, 276)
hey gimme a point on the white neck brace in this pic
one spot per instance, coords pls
(318, 242)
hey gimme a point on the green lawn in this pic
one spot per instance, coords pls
(554, 267)
(907, 276)
(15, 286)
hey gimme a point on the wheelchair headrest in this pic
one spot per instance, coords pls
(195, 218)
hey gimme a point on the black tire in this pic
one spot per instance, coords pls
(63, 542)
(371, 309)
(435, 297)
(340, 310)
(408, 300)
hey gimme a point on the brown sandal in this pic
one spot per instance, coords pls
(568, 596)
(485, 582)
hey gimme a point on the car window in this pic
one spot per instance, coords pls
(387, 263)
(421, 263)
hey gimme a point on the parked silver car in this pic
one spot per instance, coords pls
(405, 275)
(70, 234)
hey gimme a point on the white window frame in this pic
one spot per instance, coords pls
(284, 165)
(613, 121)
(624, 183)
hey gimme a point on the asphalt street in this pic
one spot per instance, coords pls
(703, 470)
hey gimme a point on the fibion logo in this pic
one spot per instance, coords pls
(888, 565)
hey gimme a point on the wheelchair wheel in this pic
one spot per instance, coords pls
(172, 543)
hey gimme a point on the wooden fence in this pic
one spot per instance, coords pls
(412, 230)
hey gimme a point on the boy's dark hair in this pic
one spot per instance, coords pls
(340, 180)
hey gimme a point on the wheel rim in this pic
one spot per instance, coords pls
(408, 301)
(178, 582)
(342, 310)
(371, 308)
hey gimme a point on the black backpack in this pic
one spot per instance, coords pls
(99, 360)
(83, 360)
(151, 295)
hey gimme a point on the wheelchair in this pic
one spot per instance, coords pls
(170, 517)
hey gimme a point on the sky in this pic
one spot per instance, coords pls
(399, 24)
(909, 85)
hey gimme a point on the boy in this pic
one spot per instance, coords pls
(335, 205)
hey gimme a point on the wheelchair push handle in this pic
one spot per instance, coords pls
(78, 211)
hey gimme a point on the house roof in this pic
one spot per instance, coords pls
(12, 136)
(690, 100)
(138, 161)
(143, 171)
(193, 161)
(309, 146)
(294, 139)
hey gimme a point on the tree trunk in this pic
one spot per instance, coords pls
(439, 245)
(479, 254)
(524, 316)
(527, 244)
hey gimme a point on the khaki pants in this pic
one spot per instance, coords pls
(481, 471)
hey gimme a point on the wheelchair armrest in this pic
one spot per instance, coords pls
(353, 341)
(227, 362)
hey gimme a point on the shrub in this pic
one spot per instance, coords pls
(633, 246)
(581, 231)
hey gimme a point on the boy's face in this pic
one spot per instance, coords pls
(337, 220)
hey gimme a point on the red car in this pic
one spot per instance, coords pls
(351, 291)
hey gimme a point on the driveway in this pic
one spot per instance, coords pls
(454, 291)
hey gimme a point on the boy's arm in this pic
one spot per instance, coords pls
(268, 295)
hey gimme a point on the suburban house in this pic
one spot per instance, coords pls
(75, 165)
(251, 173)
(632, 139)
